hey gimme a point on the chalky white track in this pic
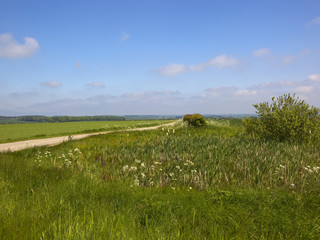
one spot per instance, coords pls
(17, 146)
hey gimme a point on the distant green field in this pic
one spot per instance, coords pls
(15, 132)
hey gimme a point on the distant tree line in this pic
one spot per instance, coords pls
(69, 118)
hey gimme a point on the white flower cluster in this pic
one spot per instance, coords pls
(311, 170)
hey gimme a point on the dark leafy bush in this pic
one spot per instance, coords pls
(196, 120)
(287, 118)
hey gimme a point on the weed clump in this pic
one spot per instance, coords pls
(196, 120)
(287, 118)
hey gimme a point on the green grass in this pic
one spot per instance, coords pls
(128, 186)
(15, 132)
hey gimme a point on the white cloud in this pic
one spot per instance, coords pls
(246, 92)
(315, 21)
(124, 36)
(172, 70)
(198, 68)
(10, 48)
(229, 91)
(314, 77)
(96, 84)
(262, 52)
(222, 61)
(78, 65)
(304, 89)
(52, 84)
(151, 96)
(280, 60)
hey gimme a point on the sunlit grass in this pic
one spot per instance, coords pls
(172, 183)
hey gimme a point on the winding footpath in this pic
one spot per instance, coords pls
(17, 146)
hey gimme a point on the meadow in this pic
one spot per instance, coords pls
(16, 132)
(172, 183)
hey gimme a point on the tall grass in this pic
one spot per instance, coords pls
(186, 183)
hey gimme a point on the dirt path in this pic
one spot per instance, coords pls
(17, 146)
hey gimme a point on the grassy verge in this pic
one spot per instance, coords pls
(185, 183)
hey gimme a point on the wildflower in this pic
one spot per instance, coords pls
(167, 134)
(151, 183)
(177, 167)
(190, 188)
(142, 165)
(282, 166)
(171, 174)
(125, 168)
(136, 182)
(173, 130)
(173, 188)
(132, 169)
(143, 175)
(137, 161)
(308, 169)
(292, 185)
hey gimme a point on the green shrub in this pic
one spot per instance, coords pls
(196, 120)
(287, 118)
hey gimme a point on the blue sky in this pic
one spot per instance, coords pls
(156, 57)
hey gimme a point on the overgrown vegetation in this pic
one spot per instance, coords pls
(196, 120)
(172, 183)
(287, 118)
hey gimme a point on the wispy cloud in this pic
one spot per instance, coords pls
(314, 77)
(284, 60)
(235, 99)
(304, 89)
(222, 61)
(304, 52)
(124, 36)
(52, 84)
(267, 55)
(78, 65)
(11, 48)
(262, 52)
(315, 21)
(172, 70)
(228, 91)
(96, 84)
